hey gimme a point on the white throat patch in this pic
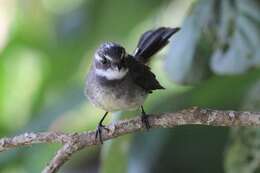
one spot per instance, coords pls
(110, 74)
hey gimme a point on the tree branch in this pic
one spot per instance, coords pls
(73, 142)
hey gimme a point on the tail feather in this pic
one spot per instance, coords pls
(153, 41)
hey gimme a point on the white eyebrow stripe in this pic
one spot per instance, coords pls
(97, 57)
(108, 57)
(111, 74)
(122, 55)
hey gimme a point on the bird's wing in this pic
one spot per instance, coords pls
(152, 41)
(142, 76)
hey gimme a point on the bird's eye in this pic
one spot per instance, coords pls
(104, 61)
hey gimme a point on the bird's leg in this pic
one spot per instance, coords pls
(100, 127)
(145, 119)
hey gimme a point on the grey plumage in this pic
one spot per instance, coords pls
(119, 81)
(130, 91)
(114, 95)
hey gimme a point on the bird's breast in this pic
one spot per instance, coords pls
(115, 96)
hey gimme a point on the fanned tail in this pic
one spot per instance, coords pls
(152, 41)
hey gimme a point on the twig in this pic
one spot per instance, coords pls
(60, 158)
(73, 142)
(27, 139)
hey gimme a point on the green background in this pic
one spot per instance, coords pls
(46, 49)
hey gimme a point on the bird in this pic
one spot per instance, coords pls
(119, 81)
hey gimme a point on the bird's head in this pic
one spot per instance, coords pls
(109, 61)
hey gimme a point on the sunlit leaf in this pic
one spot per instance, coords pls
(187, 61)
(239, 36)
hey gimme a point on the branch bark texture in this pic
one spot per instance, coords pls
(73, 142)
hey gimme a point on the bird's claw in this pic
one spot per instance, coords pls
(145, 121)
(99, 129)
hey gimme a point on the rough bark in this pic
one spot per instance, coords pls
(73, 142)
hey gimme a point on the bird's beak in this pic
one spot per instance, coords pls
(119, 66)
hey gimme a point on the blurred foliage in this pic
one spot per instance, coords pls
(187, 61)
(243, 153)
(46, 49)
(220, 37)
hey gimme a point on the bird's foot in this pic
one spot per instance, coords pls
(144, 119)
(99, 130)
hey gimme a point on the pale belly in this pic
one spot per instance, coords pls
(120, 97)
(111, 102)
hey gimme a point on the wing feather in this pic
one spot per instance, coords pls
(142, 76)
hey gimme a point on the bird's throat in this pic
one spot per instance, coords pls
(111, 74)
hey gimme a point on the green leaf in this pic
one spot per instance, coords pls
(187, 61)
(238, 37)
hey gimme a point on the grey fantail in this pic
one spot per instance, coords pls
(119, 81)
